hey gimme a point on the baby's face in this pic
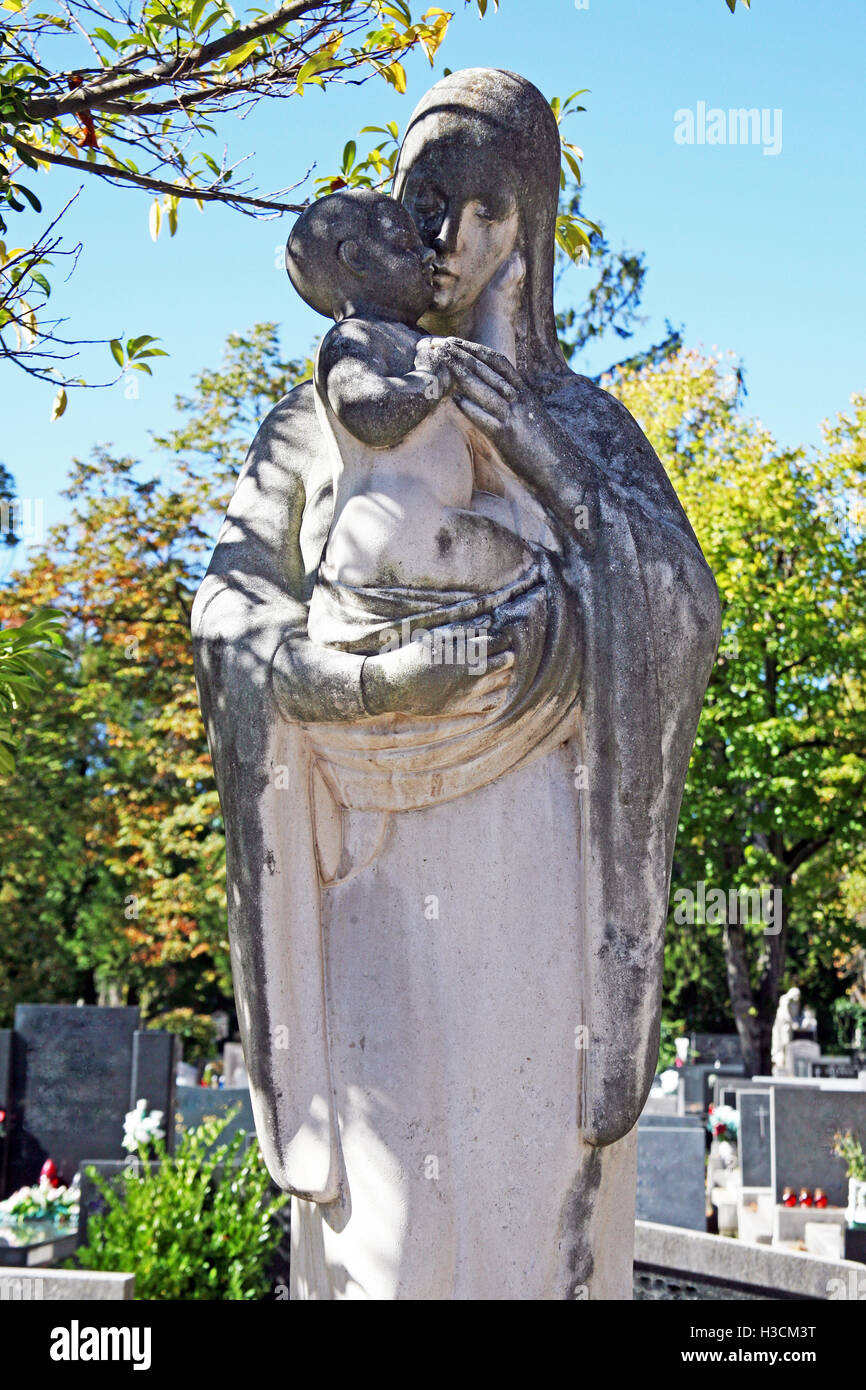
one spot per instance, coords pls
(399, 266)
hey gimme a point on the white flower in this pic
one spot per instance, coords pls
(139, 1127)
(669, 1081)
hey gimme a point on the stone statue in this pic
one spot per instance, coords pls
(784, 1026)
(451, 652)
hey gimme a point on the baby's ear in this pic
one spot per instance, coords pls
(351, 255)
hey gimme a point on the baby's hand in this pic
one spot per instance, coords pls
(435, 356)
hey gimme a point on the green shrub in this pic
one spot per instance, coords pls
(849, 1148)
(197, 1031)
(200, 1225)
(667, 1050)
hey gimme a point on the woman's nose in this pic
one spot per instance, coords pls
(445, 239)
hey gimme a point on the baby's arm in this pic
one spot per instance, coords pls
(375, 405)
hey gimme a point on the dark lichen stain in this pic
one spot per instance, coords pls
(270, 861)
(444, 540)
(575, 1222)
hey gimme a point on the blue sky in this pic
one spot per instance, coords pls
(755, 253)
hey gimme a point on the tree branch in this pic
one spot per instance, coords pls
(109, 171)
(94, 95)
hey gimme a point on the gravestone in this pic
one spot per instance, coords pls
(76, 1071)
(798, 1051)
(840, 1067)
(155, 1056)
(725, 1086)
(657, 1103)
(804, 1122)
(755, 1138)
(5, 1099)
(234, 1066)
(717, 1047)
(194, 1103)
(693, 1087)
(670, 1172)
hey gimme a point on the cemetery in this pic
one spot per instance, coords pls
(432, 714)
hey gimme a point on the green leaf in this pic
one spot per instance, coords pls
(106, 38)
(59, 405)
(240, 55)
(117, 351)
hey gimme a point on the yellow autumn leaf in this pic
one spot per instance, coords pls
(398, 76)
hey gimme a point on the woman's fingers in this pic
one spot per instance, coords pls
(481, 634)
(486, 421)
(466, 364)
(496, 361)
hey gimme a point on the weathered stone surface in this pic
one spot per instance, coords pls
(448, 886)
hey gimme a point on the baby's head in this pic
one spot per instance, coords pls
(358, 249)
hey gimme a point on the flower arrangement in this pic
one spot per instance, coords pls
(47, 1200)
(141, 1127)
(846, 1147)
(722, 1121)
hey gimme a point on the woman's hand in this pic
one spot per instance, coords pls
(493, 395)
(413, 679)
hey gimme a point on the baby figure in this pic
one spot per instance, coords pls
(405, 544)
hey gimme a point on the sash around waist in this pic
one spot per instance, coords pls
(401, 762)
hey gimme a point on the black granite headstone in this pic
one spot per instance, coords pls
(71, 1073)
(155, 1056)
(755, 1138)
(671, 1172)
(804, 1123)
(72, 1077)
(5, 1099)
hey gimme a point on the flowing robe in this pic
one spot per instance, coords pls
(448, 974)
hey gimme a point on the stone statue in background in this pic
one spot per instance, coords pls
(785, 1024)
(448, 878)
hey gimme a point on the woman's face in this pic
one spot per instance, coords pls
(471, 231)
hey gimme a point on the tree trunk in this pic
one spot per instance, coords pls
(755, 1010)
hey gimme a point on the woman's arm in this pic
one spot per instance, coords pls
(492, 394)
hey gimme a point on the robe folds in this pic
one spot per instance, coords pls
(395, 885)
